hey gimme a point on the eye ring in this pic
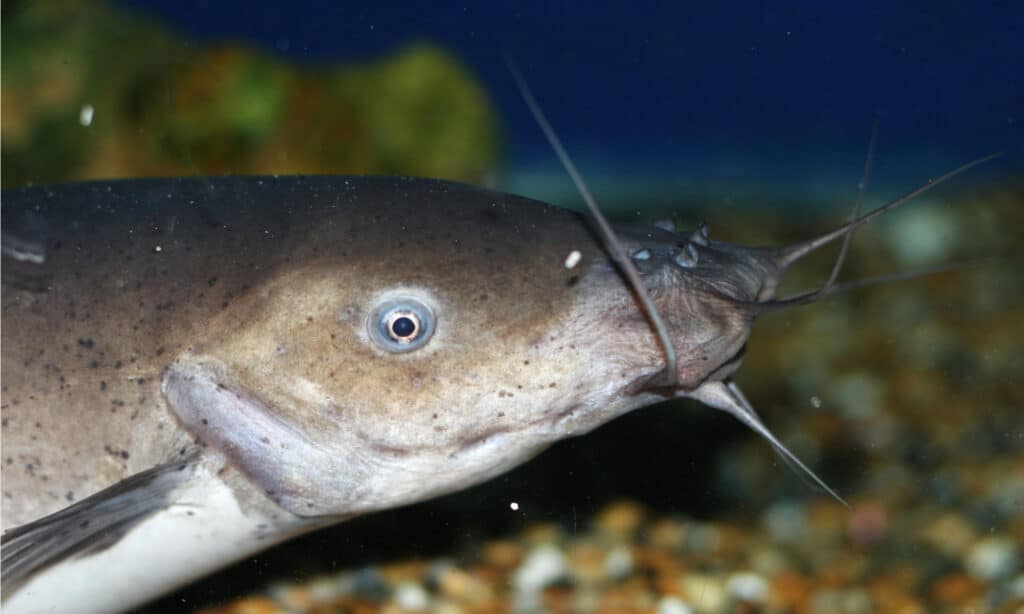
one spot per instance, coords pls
(401, 325)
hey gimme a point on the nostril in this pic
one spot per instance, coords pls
(687, 257)
(700, 236)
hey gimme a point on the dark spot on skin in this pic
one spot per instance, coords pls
(205, 421)
(265, 440)
(87, 343)
(553, 385)
(434, 417)
(501, 414)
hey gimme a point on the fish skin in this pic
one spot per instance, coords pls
(164, 310)
(125, 296)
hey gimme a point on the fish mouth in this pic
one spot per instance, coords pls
(701, 294)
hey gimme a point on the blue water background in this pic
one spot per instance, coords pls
(730, 99)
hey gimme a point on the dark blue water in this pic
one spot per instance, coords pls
(777, 95)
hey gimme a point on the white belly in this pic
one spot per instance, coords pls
(204, 530)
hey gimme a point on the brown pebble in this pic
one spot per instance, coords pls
(250, 605)
(956, 588)
(867, 524)
(462, 586)
(789, 591)
(348, 605)
(620, 518)
(546, 533)
(661, 563)
(503, 554)
(406, 571)
(667, 533)
(587, 561)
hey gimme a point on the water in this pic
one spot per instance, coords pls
(754, 117)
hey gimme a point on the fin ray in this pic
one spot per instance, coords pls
(727, 398)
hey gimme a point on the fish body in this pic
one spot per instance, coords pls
(195, 369)
(219, 328)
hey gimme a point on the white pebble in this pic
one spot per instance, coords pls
(992, 558)
(747, 586)
(411, 596)
(85, 115)
(514, 506)
(573, 259)
(785, 521)
(673, 605)
(323, 589)
(543, 566)
(919, 236)
(158, 249)
(707, 591)
(618, 564)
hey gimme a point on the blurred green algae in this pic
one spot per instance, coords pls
(95, 91)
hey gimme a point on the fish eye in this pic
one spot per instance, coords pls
(401, 325)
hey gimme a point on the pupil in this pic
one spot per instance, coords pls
(403, 327)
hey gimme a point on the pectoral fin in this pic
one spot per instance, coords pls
(91, 525)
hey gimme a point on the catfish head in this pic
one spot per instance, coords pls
(409, 338)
